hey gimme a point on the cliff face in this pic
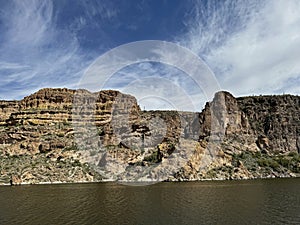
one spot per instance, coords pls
(37, 135)
(260, 138)
(275, 120)
(46, 137)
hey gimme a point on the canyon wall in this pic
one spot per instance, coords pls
(62, 135)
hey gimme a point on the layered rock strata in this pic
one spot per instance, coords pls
(62, 135)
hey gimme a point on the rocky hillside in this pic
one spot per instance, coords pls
(261, 139)
(62, 135)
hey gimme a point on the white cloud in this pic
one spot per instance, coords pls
(158, 86)
(252, 48)
(11, 66)
(34, 51)
(29, 23)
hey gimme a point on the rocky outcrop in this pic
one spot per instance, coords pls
(274, 120)
(75, 135)
(259, 138)
(6, 108)
(41, 126)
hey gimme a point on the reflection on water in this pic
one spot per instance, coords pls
(220, 202)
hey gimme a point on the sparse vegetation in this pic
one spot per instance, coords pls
(258, 161)
(37, 137)
(39, 168)
(155, 157)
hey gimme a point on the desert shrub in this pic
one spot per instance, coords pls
(269, 162)
(293, 154)
(73, 147)
(153, 158)
(76, 163)
(283, 161)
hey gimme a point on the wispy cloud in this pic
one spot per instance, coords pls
(33, 48)
(36, 51)
(253, 48)
(158, 86)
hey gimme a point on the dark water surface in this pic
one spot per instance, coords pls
(274, 201)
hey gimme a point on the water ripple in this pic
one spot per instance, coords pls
(224, 202)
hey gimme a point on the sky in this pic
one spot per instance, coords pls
(251, 48)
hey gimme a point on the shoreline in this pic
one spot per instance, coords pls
(145, 182)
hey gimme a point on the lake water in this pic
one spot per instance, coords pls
(274, 201)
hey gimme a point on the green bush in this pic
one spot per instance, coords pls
(153, 158)
(76, 163)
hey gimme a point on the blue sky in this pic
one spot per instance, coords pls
(252, 48)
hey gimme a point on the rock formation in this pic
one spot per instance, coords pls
(62, 135)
